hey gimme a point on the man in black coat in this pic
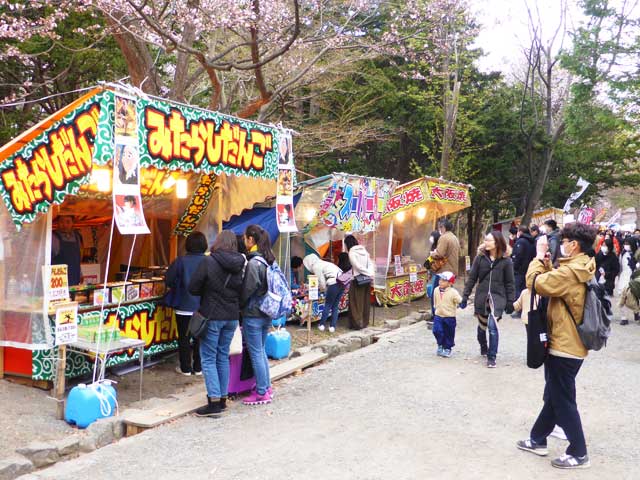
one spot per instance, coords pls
(524, 251)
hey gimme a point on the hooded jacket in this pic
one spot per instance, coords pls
(567, 282)
(523, 252)
(326, 272)
(449, 248)
(179, 276)
(254, 286)
(217, 281)
(495, 277)
(361, 261)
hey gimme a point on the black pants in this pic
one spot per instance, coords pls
(184, 346)
(560, 406)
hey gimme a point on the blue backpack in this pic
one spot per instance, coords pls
(277, 301)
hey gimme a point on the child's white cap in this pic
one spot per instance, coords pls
(448, 276)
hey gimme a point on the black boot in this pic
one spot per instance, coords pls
(223, 403)
(624, 322)
(211, 409)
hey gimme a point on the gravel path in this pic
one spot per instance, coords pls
(395, 410)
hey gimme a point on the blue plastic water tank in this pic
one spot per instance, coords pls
(278, 344)
(88, 403)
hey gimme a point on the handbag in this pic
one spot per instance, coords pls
(171, 298)
(436, 264)
(197, 325)
(537, 340)
(362, 280)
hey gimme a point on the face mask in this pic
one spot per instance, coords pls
(627, 248)
(563, 251)
(605, 250)
(431, 240)
(543, 230)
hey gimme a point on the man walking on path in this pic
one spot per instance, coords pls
(566, 291)
(523, 252)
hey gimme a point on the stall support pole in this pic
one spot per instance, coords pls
(60, 381)
(310, 307)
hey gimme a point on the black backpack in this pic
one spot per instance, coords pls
(596, 321)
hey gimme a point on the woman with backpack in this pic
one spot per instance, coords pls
(255, 324)
(566, 290)
(217, 282)
(327, 274)
(492, 270)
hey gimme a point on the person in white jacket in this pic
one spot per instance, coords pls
(362, 267)
(327, 274)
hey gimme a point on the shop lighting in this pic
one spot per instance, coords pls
(421, 213)
(310, 214)
(181, 188)
(168, 183)
(101, 177)
(400, 217)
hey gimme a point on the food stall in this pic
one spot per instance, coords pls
(336, 205)
(409, 218)
(175, 167)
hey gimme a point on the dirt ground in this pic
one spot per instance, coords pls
(28, 414)
(396, 410)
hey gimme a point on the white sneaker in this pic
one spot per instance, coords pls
(321, 328)
(332, 330)
(558, 432)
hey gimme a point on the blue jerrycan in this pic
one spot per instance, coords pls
(88, 403)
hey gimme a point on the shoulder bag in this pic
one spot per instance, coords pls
(537, 341)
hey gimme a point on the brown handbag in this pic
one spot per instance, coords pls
(437, 263)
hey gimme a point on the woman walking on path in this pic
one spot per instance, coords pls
(492, 270)
(327, 274)
(178, 277)
(359, 300)
(564, 286)
(255, 324)
(608, 266)
(217, 281)
(627, 264)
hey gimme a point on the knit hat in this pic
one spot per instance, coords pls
(448, 276)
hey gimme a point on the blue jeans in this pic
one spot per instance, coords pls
(494, 337)
(444, 329)
(332, 304)
(255, 331)
(214, 354)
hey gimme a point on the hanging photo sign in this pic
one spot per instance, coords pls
(197, 206)
(355, 204)
(127, 201)
(285, 212)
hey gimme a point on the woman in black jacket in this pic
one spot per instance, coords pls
(608, 266)
(217, 281)
(492, 270)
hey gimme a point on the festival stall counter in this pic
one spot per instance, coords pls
(408, 220)
(114, 159)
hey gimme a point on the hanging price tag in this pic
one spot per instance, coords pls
(313, 287)
(413, 273)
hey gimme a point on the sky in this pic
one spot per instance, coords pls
(504, 29)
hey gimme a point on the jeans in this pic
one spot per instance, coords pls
(560, 406)
(494, 337)
(214, 350)
(255, 331)
(444, 329)
(434, 285)
(184, 346)
(332, 304)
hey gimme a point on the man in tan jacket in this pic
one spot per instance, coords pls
(448, 247)
(565, 284)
